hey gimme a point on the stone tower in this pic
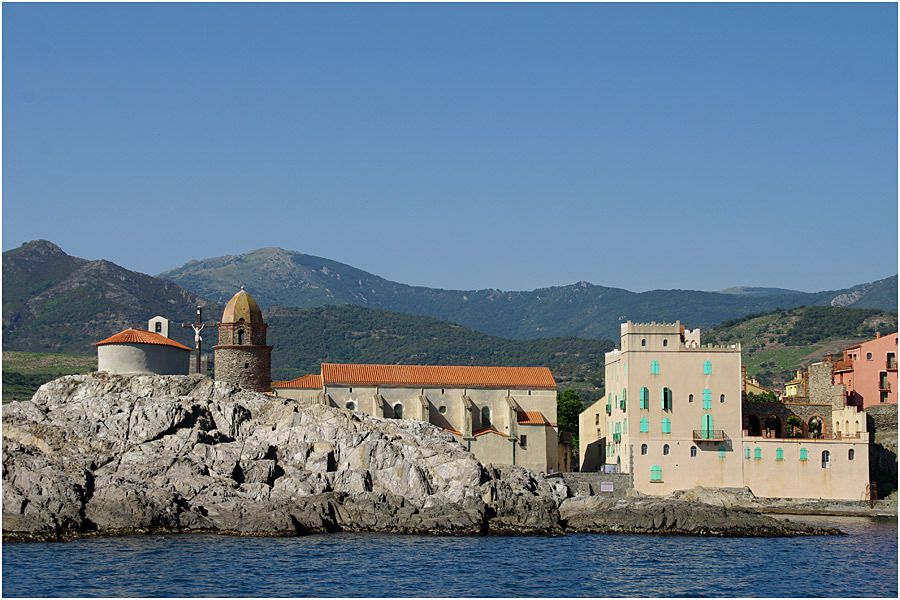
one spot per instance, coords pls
(242, 356)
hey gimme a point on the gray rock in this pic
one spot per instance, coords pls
(103, 454)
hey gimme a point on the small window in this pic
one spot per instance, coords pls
(666, 426)
(779, 454)
(666, 399)
(757, 453)
(398, 411)
(643, 342)
(665, 343)
(665, 449)
(645, 425)
(597, 419)
(486, 417)
(157, 327)
(654, 367)
(747, 453)
(246, 365)
(645, 398)
(803, 455)
(655, 473)
(529, 392)
(442, 390)
(443, 410)
(693, 451)
(707, 367)
(722, 399)
(350, 405)
(351, 390)
(690, 397)
(523, 440)
(826, 459)
(868, 356)
(851, 454)
(644, 449)
(240, 339)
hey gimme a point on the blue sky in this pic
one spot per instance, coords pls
(462, 146)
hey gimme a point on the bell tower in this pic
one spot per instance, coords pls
(242, 356)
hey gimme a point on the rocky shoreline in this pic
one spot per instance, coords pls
(107, 454)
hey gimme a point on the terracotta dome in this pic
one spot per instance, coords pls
(242, 306)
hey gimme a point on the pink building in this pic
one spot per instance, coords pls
(869, 370)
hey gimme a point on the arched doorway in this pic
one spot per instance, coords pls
(773, 424)
(753, 426)
(814, 427)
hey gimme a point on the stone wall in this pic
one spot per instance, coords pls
(821, 388)
(253, 333)
(882, 423)
(246, 366)
(804, 410)
(589, 484)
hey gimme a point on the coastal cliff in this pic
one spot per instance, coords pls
(108, 454)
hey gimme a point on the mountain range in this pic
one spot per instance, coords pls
(53, 302)
(278, 277)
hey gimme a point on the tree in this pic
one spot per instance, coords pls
(568, 407)
(794, 425)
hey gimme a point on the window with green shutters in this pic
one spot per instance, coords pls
(622, 400)
(645, 398)
(654, 367)
(656, 473)
(666, 399)
(707, 399)
(721, 451)
(779, 454)
(803, 455)
(707, 367)
(645, 425)
(747, 453)
(757, 453)
(706, 427)
(666, 426)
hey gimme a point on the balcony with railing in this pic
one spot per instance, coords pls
(709, 435)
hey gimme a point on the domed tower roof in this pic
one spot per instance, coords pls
(242, 306)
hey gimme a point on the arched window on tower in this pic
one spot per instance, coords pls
(398, 411)
(240, 337)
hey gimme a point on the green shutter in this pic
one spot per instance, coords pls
(654, 367)
(721, 451)
(707, 367)
(803, 454)
(779, 454)
(666, 426)
(645, 425)
(707, 399)
(656, 473)
(747, 453)
(757, 453)
(645, 398)
(706, 425)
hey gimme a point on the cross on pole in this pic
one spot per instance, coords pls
(198, 326)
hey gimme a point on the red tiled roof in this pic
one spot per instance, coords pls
(451, 430)
(307, 382)
(438, 376)
(139, 336)
(485, 431)
(532, 417)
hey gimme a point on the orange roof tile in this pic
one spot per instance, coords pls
(451, 430)
(307, 382)
(438, 376)
(485, 431)
(139, 336)
(532, 417)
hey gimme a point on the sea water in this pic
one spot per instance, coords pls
(863, 563)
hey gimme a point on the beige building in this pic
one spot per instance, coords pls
(501, 414)
(672, 417)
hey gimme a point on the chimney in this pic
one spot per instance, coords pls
(877, 334)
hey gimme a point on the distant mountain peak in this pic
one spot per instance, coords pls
(42, 247)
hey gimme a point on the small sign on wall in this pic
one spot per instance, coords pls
(606, 486)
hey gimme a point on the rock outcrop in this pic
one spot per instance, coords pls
(109, 454)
